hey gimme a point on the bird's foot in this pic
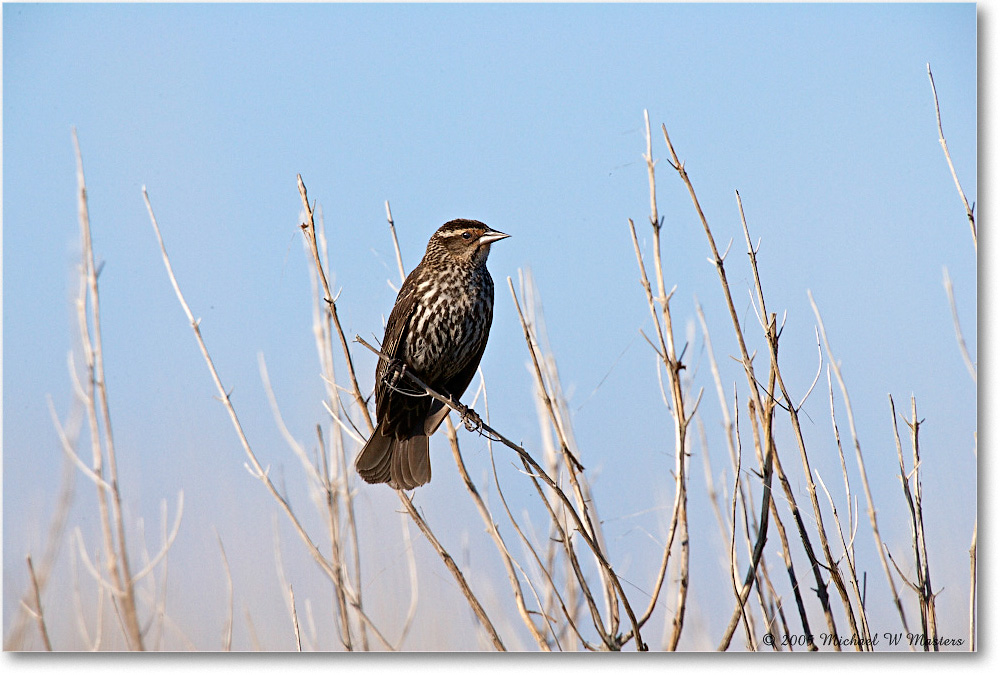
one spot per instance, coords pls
(395, 372)
(471, 419)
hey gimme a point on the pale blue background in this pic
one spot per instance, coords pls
(526, 117)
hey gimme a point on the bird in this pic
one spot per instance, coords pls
(437, 329)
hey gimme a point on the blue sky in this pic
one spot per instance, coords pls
(530, 118)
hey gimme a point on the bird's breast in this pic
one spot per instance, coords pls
(451, 319)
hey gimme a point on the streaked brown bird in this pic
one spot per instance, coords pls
(438, 330)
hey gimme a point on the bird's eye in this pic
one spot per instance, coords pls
(466, 235)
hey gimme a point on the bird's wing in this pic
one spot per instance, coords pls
(389, 404)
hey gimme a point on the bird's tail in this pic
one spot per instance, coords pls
(403, 464)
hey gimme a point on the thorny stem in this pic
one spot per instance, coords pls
(872, 516)
(773, 334)
(117, 561)
(718, 261)
(309, 229)
(673, 366)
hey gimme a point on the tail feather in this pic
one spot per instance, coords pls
(411, 465)
(436, 415)
(373, 462)
(419, 460)
(404, 464)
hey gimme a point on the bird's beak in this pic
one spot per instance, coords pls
(491, 236)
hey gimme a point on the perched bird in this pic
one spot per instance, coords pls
(438, 330)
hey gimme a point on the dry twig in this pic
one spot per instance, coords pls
(227, 631)
(96, 402)
(309, 230)
(36, 610)
(773, 334)
(873, 518)
(673, 366)
(494, 532)
(449, 562)
(257, 470)
(950, 291)
(395, 242)
(947, 155)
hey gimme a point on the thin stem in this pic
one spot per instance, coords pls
(772, 334)
(227, 632)
(950, 291)
(309, 229)
(947, 155)
(758, 551)
(256, 469)
(553, 594)
(873, 518)
(295, 618)
(494, 533)
(924, 571)
(411, 567)
(673, 367)
(37, 611)
(395, 242)
(112, 524)
(548, 391)
(449, 562)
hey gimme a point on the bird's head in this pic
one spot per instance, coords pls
(465, 240)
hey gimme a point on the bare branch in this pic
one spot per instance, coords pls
(947, 155)
(494, 532)
(395, 242)
(411, 565)
(254, 466)
(37, 611)
(96, 401)
(969, 365)
(167, 543)
(309, 229)
(772, 333)
(227, 632)
(449, 562)
(873, 518)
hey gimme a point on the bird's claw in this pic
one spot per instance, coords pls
(396, 369)
(471, 419)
